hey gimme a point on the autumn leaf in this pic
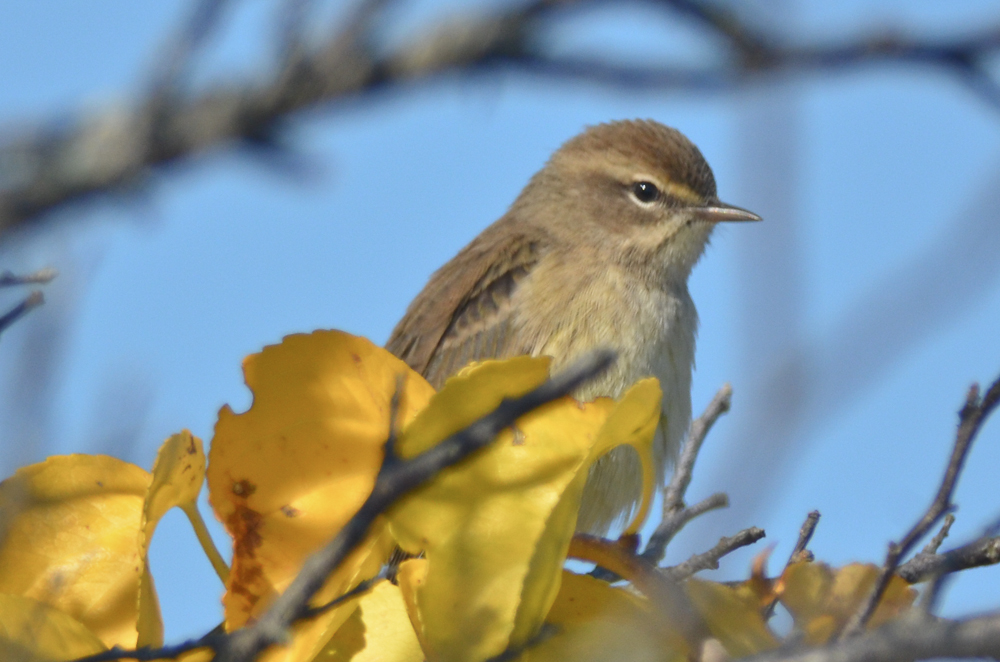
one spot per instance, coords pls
(496, 528)
(178, 474)
(733, 617)
(593, 621)
(287, 474)
(378, 630)
(72, 540)
(821, 599)
(32, 631)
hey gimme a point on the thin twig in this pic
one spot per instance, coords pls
(935, 543)
(673, 494)
(982, 552)
(32, 301)
(798, 552)
(362, 587)
(675, 516)
(710, 560)
(805, 535)
(40, 277)
(677, 520)
(971, 418)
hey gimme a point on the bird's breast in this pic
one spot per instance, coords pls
(652, 330)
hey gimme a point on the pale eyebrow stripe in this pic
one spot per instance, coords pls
(673, 189)
(682, 192)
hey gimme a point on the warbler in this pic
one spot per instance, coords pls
(594, 253)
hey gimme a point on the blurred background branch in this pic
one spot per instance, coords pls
(109, 150)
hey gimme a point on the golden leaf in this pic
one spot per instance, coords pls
(593, 621)
(821, 600)
(178, 473)
(379, 630)
(495, 529)
(287, 474)
(31, 631)
(71, 540)
(733, 617)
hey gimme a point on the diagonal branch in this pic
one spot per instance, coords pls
(29, 303)
(675, 515)
(709, 560)
(913, 637)
(971, 418)
(396, 477)
(58, 163)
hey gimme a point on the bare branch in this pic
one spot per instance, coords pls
(799, 552)
(710, 560)
(32, 301)
(805, 535)
(935, 543)
(41, 277)
(673, 495)
(971, 418)
(99, 154)
(982, 552)
(671, 524)
(675, 515)
(913, 637)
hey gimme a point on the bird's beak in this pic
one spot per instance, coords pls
(719, 212)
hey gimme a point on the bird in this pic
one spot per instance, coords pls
(595, 252)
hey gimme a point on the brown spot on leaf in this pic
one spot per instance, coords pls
(289, 511)
(246, 577)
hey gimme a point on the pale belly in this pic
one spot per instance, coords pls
(653, 334)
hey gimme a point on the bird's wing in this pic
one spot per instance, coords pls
(464, 312)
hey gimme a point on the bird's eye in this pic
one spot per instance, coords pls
(645, 192)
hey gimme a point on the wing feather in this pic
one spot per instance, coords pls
(464, 313)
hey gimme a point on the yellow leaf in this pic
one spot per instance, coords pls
(72, 540)
(495, 529)
(592, 621)
(733, 617)
(633, 423)
(378, 631)
(822, 600)
(178, 474)
(31, 631)
(286, 475)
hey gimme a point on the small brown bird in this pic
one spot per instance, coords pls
(595, 252)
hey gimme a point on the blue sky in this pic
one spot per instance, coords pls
(873, 172)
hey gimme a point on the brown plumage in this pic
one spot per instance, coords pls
(595, 252)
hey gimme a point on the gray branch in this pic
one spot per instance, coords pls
(675, 515)
(913, 637)
(982, 552)
(111, 150)
(710, 560)
(971, 418)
